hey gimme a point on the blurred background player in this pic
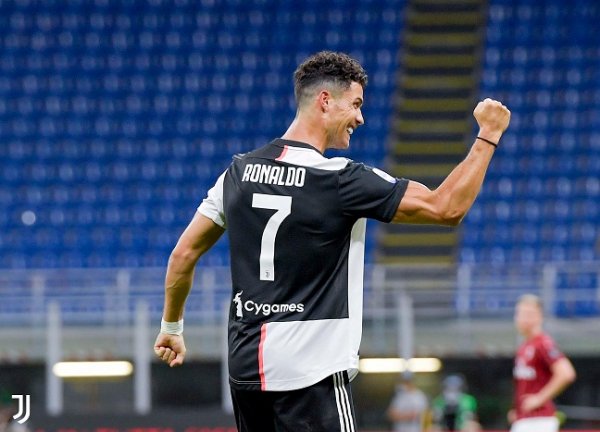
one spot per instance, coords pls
(454, 409)
(541, 372)
(408, 408)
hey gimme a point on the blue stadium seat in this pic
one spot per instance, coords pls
(116, 120)
(543, 182)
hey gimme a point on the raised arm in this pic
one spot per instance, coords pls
(450, 202)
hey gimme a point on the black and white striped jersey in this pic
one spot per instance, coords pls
(296, 228)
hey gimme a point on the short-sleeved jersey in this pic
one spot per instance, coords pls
(532, 371)
(296, 227)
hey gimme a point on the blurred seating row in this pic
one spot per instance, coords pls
(541, 200)
(116, 117)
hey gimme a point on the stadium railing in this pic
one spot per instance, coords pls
(445, 300)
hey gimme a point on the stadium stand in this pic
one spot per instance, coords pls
(540, 200)
(116, 117)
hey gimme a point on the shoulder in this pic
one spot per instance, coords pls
(549, 348)
(545, 341)
(268, 151)
(545, 338)
(360, 170)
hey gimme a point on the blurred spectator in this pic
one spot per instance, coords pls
(454, 409)
(541, 371)
(408, 407)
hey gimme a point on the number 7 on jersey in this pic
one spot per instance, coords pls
(283, 205)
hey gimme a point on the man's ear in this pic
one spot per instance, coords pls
(324, 100)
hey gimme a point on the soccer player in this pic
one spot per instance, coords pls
(296, 226)
(541, 371)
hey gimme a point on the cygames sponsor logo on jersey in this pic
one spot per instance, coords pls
(265, 309)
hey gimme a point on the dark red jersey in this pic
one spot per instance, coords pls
(532, 371)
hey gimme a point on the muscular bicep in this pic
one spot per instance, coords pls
(199, 236)
(421, 205)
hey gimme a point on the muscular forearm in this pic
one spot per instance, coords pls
(449, 203)
(198, 237)
(178, 283)
(459, 190)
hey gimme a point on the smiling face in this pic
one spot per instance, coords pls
(344, 115)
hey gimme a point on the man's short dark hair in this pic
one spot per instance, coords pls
(328, 67)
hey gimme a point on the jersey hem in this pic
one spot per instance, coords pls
(288, 385)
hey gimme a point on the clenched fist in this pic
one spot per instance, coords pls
(170, 349)
(492, 118)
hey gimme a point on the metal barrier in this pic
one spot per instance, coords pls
(443, 301)
(108, 296)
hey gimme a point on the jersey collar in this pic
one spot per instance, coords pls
(280, 142)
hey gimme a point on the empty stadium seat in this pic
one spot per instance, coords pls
(116, 119)
(541, 60)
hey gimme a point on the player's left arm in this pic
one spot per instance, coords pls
(450, 202)
(563, 374)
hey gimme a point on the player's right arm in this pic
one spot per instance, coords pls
(450, 202)
(197, 238)
(203, 231)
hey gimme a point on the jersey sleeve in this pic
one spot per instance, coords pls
(369, 192)
(212, 205)
(549, 352)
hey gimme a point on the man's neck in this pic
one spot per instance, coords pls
(533, 333)
(307, 132)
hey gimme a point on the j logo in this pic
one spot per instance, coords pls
(23, 415)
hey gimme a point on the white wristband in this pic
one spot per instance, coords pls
(173, 328)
